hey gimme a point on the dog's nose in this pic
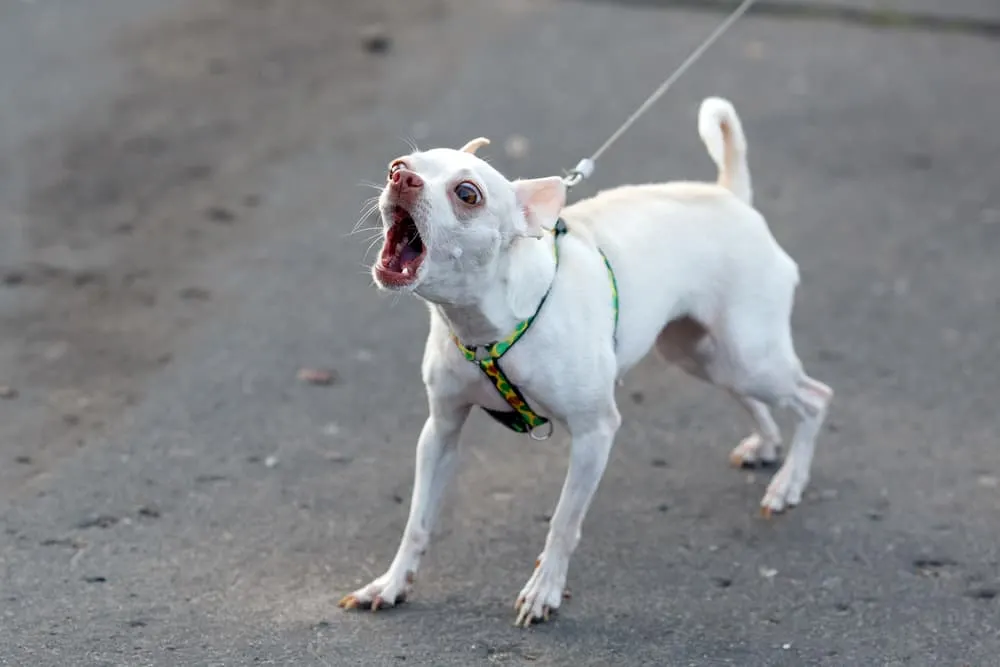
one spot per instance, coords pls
(406, 180)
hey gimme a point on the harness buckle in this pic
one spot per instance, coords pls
(539, 434)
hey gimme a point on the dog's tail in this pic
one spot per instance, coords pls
(720, 129)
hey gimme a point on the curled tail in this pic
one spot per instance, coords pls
(720, 129)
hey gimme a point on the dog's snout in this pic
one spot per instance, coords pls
(406, 180)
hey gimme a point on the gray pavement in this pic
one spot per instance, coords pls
(178, 181)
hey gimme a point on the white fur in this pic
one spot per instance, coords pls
(722, 132)
(700, 278)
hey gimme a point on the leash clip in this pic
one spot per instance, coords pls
(583, 169)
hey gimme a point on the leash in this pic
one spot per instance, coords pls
(585, 167)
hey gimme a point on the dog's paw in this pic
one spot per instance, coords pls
(541, 596)
(785, 490)
(754, 451)
(386, 591)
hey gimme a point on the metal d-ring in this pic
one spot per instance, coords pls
(537, 429)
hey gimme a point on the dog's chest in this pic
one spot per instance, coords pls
(482, 388)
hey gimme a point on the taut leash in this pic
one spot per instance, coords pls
(585, 167)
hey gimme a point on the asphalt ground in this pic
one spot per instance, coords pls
(177, 186)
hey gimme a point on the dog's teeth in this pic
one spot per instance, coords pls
(406, 270)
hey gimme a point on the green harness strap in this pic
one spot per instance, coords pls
(521, 418)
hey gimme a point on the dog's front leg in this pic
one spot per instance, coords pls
(592, 440)
(436, 454)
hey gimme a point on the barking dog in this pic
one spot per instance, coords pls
(537, 310)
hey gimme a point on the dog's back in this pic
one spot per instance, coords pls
(702, 244)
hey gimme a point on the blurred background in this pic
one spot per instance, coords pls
(208, 414)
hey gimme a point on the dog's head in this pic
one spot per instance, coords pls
(449, 217)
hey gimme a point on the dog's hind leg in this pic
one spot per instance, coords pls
(767, 372)
(809, 399)
(757, 356)
(687, 344)
(761, 446)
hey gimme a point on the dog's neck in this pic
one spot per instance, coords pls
(504, 299)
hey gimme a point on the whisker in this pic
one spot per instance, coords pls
(365, 214)
(371, 246)
(364, 223)
(406, 139)
(376, 233)
(358, 229)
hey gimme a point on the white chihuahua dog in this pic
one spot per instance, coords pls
(571, 298)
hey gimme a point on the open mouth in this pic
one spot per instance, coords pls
(402, 252)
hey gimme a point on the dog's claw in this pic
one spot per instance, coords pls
(525, 618)
(766, 512)
(360, 600)
(754, 452)
(541, 597)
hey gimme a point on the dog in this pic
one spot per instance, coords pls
(538, 308)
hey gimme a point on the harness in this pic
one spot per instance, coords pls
(522, 418)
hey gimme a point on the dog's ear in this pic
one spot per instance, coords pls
(541, 200)
(475, 145)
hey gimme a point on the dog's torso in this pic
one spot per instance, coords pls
(677, 249)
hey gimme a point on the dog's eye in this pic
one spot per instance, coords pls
(394, 167)
(468, 193)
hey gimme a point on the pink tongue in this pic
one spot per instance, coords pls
(407, 255)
